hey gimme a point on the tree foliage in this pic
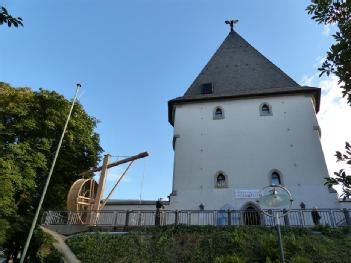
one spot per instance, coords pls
(338, 59)
(338, 62)
(31, 123)
(6, 18)
(341, 178)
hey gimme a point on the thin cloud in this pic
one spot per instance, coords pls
(308, 80)
(333, 117)
(333, 120)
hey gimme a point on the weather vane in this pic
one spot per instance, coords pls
(231, 23)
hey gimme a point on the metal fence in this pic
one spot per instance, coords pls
(298, 218)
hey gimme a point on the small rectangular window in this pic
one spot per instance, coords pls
(207, 88)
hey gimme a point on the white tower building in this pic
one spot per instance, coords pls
(244, 124)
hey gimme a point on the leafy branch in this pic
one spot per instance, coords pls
(6, 18)
(338, 59)
(341, 178)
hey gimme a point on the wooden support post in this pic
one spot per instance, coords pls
(102, 180)
(94, 215)
(127, 160)
(114, 188)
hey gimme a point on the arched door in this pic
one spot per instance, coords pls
(251, 215)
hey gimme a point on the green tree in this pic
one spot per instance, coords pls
(338, 59)
(341, 178)
(31, 123)
(338, 62)
(6, 18)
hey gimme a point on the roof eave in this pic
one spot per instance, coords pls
(316, 92)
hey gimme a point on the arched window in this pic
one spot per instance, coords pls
(218, 113)
(221, 181)
(275, 178)
(265, 109)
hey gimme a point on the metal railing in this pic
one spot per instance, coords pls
(134, 218)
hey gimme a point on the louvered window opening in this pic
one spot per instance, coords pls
(207, 88)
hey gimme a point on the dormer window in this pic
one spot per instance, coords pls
(218, 113)
(207, 88)
(265, 109)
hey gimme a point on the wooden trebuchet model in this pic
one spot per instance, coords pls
(85, 195)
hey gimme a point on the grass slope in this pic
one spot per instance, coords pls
(213, 244)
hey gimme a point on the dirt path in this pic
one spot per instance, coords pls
(61, 246)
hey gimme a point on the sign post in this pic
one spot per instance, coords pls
(278, 197)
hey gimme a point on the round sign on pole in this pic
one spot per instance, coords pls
(275, 197)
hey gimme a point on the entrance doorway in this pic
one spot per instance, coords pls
(251, 215)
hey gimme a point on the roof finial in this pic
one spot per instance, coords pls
(231, 23)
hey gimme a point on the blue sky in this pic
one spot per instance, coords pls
(132, 56)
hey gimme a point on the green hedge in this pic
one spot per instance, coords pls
(213, 244)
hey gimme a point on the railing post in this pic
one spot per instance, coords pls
(43, 218)
(301, 219)
(139, 218)
(347, 216)
(127, 218)
(161, 218)
(176, 215)
(116, 218)
(189, 218)
(157, 217)
(286, 218)
(331, 218)
(229, 217)
(69, 218)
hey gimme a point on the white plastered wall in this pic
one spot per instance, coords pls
(246, 147)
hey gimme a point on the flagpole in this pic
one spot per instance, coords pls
(24, 252)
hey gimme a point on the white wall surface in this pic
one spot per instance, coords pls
(246, 147)
(130, 207)
(346, 204)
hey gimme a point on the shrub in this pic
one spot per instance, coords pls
(230, 259)
(212, 244)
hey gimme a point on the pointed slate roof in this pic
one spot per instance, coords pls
(238, 70)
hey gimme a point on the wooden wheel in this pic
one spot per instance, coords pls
(81, 198)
